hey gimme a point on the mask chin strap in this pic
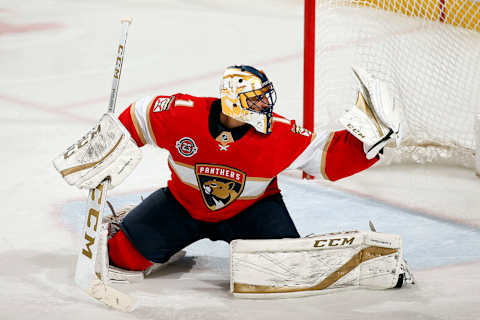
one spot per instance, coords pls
(258, 121)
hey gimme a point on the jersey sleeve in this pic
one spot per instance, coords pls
(147, 119)
(333, 155)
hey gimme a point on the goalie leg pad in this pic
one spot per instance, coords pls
(314, 265)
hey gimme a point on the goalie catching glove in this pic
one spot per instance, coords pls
(374, 118)
(106, 151)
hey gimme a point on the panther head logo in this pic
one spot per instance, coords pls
(221, 192)
(219, 185)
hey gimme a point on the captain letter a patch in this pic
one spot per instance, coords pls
(219, 185)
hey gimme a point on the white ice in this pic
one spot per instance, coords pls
(56, 65)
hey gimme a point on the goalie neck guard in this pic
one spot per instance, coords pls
(248, 96)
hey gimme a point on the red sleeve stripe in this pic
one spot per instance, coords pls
(138, 129)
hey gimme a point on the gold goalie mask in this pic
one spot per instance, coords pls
(248, 96)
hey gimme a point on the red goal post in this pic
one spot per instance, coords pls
(309, 69)
(427, 51)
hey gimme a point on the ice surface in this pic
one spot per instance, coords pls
(56, 62)
(322, 210)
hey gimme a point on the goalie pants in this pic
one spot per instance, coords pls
(160, 226)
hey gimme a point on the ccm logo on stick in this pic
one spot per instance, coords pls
(118, 62)
(93, 215)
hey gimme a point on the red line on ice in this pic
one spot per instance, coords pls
(173, 83)
(7, 28)
(61, 111)
(36, 106)
(140, 90)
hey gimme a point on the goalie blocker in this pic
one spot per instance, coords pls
(106, 151)
(317, 264)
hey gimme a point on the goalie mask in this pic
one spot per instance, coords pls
(248, 96)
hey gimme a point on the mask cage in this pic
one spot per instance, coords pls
(260, 100)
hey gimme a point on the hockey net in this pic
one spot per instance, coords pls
(428, 53)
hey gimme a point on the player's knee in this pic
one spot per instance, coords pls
(124, 255)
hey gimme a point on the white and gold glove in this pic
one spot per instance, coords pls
(105, 151)
(375, 117)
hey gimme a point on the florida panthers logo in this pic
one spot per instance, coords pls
(219, 185)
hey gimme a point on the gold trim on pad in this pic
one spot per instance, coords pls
(66, 172)
(365, 108)
(361, 256)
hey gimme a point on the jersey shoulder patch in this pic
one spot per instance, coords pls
(162, 103)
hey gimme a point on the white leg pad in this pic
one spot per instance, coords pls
(314, 265)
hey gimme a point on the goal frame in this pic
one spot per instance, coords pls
(309, 69)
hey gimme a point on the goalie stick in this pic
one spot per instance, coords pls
(86, 276)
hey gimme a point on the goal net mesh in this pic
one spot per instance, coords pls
(428, 53)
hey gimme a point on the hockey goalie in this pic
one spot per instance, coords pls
(225, 155)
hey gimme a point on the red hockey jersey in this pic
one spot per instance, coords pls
(215, 178)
